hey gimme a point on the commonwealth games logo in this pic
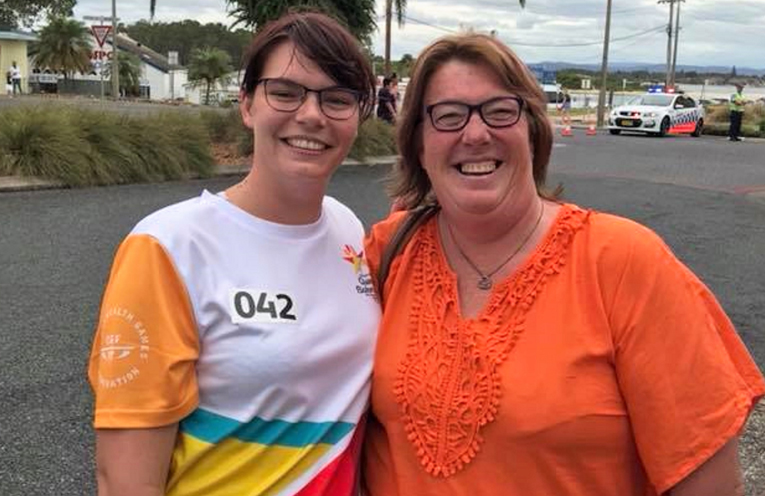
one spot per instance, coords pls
(358, 263)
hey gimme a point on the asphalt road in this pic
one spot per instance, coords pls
(56, 247)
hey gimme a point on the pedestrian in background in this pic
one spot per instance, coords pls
(15, 78)
(565, 108)
(233, 353)
(394, 92)
(8, 84)
(386, 109)
(737, 103)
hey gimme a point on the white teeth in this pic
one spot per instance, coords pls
(478, 167)
(306, 144)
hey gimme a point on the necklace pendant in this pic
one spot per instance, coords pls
(484, 283)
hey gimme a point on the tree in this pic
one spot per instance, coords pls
(209, 66)
(25, 12)
(357, 15)
(400, 7)
(129, 75)
(63, 47)
(187, 35)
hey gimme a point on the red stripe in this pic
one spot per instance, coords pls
(683, 128)
(340, 476)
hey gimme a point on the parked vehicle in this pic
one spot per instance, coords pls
(658, 114)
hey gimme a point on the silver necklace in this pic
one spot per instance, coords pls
(485, 282)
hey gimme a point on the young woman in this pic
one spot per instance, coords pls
(234, 346)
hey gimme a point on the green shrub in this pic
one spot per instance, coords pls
(717, 113)
(110, 158)
(753, 114)
(224, 127)
(376, 138)
(85, 147)
(40, 142)
(721, 129)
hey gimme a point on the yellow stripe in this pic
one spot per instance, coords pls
(233, 467)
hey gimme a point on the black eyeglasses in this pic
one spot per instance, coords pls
(449, 116)
(284, 95)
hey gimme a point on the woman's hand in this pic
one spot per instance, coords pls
(134, 462)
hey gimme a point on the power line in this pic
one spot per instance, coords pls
(594, 59)
(441, 28)
(589, 43)
(546, 45)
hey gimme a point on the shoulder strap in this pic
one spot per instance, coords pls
(413, 220)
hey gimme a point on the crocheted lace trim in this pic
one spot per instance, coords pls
(448, 385)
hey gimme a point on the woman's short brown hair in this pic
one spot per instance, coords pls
(410, 183)
(322, 40)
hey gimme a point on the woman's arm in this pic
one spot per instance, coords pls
(134, 462)
(718, 476)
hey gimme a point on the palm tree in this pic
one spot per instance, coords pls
(357, 15)
(63, 47)
(209, 66)
(400, 7)
(129, 75)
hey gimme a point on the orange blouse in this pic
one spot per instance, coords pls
(602, 366)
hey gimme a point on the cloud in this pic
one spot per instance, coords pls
(713, 32)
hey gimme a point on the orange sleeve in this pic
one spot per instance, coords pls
(142, 364)
(686, 377)
(376, 241)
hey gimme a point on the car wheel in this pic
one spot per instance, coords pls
(615, 131)
(664, 129)
(699, 128)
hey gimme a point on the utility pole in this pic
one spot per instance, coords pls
(677, 36)
(388, 16)
(604, 69)
(671, 3)
(115, 56)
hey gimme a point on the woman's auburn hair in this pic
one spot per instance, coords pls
(409, 182)
(320, 39)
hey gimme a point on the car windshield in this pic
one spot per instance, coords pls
(653, 100)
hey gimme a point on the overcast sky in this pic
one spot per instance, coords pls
(713, 32)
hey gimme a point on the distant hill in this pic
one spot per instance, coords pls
(638, 66)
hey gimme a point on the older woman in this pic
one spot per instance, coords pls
(233, 353)
(532, 347)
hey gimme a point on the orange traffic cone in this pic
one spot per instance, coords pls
(591, 130)
(566, 131)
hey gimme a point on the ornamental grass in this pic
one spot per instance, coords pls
(88, 147)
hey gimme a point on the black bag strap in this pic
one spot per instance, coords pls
(413, 220)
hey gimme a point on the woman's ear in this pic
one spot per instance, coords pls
(245, 108)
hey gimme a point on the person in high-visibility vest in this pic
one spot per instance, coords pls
(736, 113)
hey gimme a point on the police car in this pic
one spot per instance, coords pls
(658, 114)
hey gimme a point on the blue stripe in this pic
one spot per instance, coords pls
(213, 428)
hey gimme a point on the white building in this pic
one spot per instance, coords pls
(160, 79)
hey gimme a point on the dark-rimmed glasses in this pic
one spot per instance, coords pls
(284, 95)
(450, 116)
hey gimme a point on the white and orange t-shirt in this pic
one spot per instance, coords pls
(256, 337)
